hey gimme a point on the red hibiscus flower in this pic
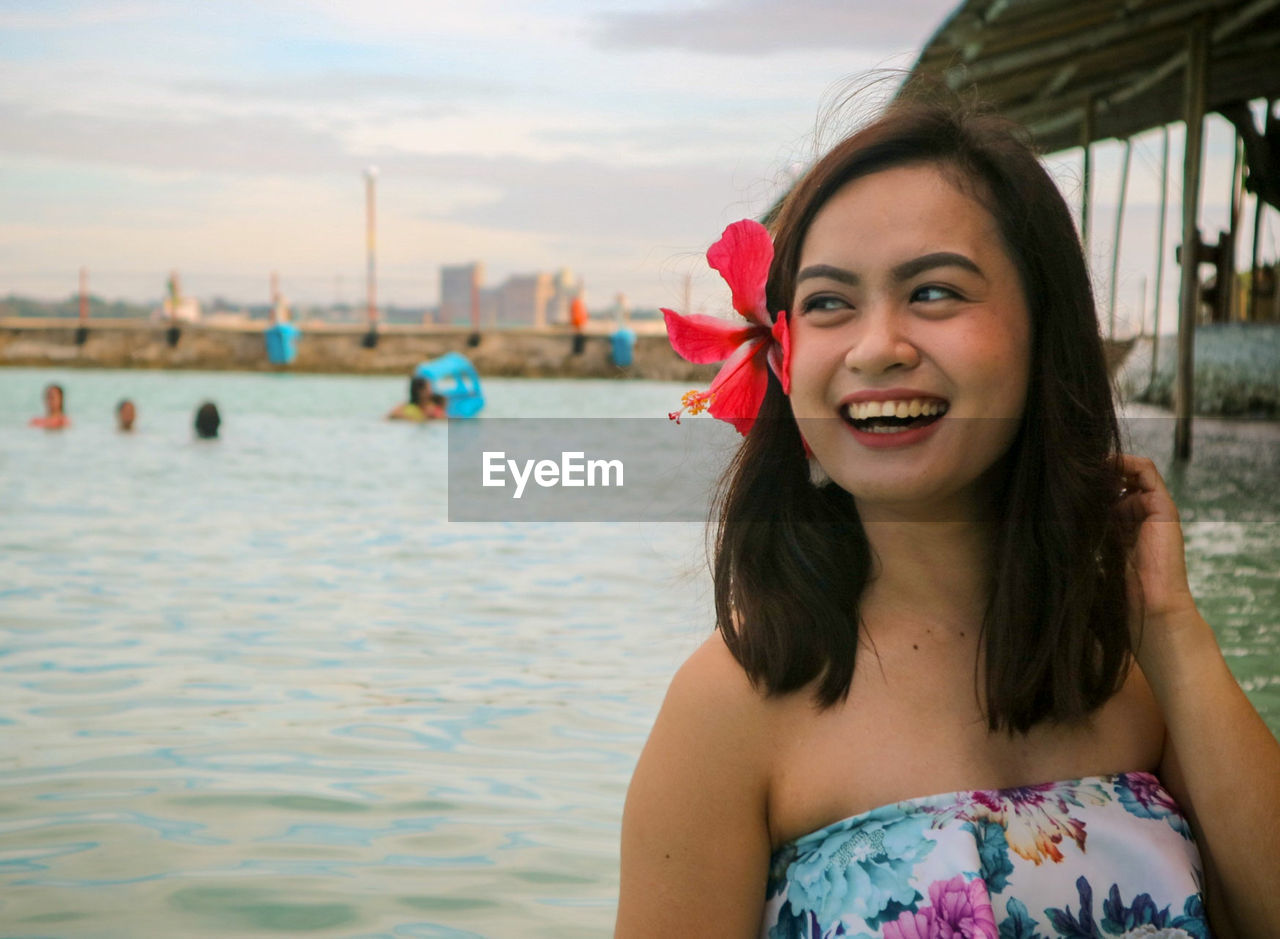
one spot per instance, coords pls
(742, 257)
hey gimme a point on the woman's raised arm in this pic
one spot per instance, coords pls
(1221, 762)
(695, 838)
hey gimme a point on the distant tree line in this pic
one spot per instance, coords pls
(13, 305)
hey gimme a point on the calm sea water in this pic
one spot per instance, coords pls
(261, 686)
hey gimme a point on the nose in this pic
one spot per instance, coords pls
(880, 343)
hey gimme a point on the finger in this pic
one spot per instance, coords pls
(1142, 479)
(1131, 509)
(1141, 473)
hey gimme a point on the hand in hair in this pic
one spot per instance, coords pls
(1158, 568)
(1220, 762)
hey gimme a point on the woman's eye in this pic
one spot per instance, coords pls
(931, 293)
(822, 303)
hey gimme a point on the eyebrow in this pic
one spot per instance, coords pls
(909, 269)
(904, 271)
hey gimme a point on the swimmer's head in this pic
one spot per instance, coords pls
(126, 414)
(54, 398)
(419, 390)
(207, 421)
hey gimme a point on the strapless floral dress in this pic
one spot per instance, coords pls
(1092, 858)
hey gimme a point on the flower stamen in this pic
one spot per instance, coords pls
(695, 402)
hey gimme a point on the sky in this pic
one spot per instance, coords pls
(228, 140)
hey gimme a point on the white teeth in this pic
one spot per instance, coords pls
(915, 407)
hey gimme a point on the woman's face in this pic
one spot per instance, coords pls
(907, 304)
(53, 399)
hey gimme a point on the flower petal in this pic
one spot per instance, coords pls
(742, 256)
(780, 351)
(701, 338)
(738, 389)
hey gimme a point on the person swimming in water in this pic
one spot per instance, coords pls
(126, 414)
(207, 421)
(424, 404)
(54, 418)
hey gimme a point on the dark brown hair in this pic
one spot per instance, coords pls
(792, 560)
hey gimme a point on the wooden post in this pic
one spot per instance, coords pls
(1115, 248)
(371, 270)
(1227, 307)
(1259, 205)
(1164, 208)
(82, 330)
(371, 242)
(1189, 301)
(1252, 305)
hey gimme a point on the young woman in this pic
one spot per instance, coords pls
(959, 686)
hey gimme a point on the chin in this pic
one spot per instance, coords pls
(917, 499)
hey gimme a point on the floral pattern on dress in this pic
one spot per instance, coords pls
(1142, 795)
(1140, 918)
(863, 866)
(956, 909)
(1036, 820)
(1018, 863)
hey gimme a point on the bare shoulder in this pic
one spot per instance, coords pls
(1132, 727)
(695, 842)
(712, 676)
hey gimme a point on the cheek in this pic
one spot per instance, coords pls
(812, 362)
(1000, 357)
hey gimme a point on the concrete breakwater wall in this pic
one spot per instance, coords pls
(332, 348)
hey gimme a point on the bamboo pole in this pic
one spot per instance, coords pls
(1189, 301)
(1115, 247)
(1259, 204)
(1164, 208)
(371, 269)
(1227, 307)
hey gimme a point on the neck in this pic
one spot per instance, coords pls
(937, 572)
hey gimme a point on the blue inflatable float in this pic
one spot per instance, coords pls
(453, 376)
(623, 342)
(282, 343)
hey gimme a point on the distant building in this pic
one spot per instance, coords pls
(566, 288)
(460, 286)
(177, 307)
(521, 300)
(524, 299)
(183, 310)
(490, 305)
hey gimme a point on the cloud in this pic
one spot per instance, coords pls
(601, 194)
(226, 143)
(754, 27)
(591, 199)
(349, 87)
(76, 16)
(196, 180)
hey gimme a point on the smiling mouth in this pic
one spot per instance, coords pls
(894, 417)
